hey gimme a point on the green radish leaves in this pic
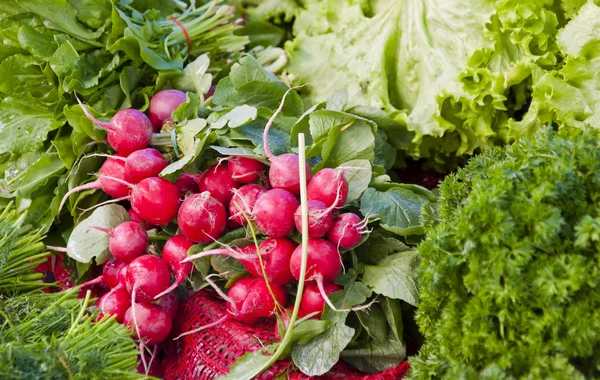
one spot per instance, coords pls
(395, 277)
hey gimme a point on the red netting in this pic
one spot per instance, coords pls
(210, 353)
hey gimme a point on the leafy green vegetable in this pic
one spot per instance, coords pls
(317, 356)
(56, 335)
(507, 276)
(453, 77)
(394, 277)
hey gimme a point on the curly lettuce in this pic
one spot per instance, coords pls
(458, 76)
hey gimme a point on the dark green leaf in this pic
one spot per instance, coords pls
(393, 314)
(374, 322)
(379, 246)
(376, 356)
(24, 124)
(398, 209)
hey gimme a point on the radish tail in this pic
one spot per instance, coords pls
(118, 180)
(97, 280)
(220, 292)
(268, 152)
(222, 252)
(173, 286)
(210, 325)
(87, 113)
(87, 186)
(107, 231)
(56, 249)
(319, 280)
(105, 203)
(152, 358)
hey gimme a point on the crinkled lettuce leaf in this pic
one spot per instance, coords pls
(456, 75)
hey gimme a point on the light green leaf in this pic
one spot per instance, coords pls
(394, 277)
(47, 168)
(187, 132)
(86, 243)
(320, 354)
(358, 175)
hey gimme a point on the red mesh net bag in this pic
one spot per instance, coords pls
(210, 353)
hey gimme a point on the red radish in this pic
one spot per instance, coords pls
(319, 219)
(111, 168)
(128, 131)
(276, 254)
(247, 257)
(243, 200)
(187, 183)
(312, 301)
(284, 172)
(328, 186)
(202, 218)
(122, 276)
(150, 323)
(274, 212)
(169, 302)
(144, 163)
(110, 274)
(127, 241)
(116, 302)
(134, 217)
(248, 300)
(218, 182)
(162, 106)
(323, 262)
(251, 299)
(244, 169)
(155, 200)
(173, 253)
(147, 276)
(346, 230)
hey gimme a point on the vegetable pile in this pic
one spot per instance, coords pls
(270, 156)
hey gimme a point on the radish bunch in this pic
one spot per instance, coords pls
(205, 205)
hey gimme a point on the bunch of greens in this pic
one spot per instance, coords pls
(459, 77)
(56, 336)
(114, 55)
(509, 273)
(338, 136)
(21, 251)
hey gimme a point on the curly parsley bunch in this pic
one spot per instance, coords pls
(510, 273)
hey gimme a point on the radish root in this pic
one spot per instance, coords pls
(208, 326)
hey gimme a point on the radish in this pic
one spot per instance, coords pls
(244, 169)
(150, 323)
(251, 299)
(173, 253)
(147, 276)
(246, 256)
(276, 254)
(248, 300)
(319, 219)
(323, 261)
(162, 106)
(110, 274)
(187, 183)
(218, 182)
(284, 172)
(155, 200)
(111, 168)
(116, 302)
(127, 241)
(328, 186)
(244, 199)
(128, 131)
(347, 230)
(144, 163)
(274, 212)
(134, 217)
(312, 301)
(170, 302)
(202, 218)
(323, 265)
